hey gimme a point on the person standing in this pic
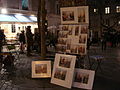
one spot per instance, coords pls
(103, 40)
(2, 39)
(22, 41)
(29, 39)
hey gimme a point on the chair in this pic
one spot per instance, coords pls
(95, 58)
(14, 49)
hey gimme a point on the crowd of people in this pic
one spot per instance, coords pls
(30, 40)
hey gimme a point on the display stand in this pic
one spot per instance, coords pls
(73, 33)
(72, 41)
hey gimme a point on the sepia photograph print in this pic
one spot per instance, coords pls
(65, 27)
(84, 29)
(63, 70)
(60, 48)
(77, 30)
(60, 74)
(71, 29)
(82, 14)
(62, 34)
(82, 49)
(83, 79)
(41, 69)
(65, 62)
(83, 38)
(73, 49)
(68, 15)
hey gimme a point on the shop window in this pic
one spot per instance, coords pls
(107, 10)
(118, 9)
(25, 4)
(13, 28)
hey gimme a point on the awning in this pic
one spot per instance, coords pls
(7, 18)
(17, 18)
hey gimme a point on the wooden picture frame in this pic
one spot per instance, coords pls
(41, 69)
(83, 79)
(63, 70)
(68, 15)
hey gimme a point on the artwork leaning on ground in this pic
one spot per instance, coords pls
(63, 70)
(41, 69)
(83, 79)
(72, 39)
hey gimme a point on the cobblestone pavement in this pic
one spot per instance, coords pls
(108, 79)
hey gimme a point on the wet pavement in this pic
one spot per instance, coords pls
(20, 79)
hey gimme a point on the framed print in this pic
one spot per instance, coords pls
(62, 41)
(41, 69)
(60, 48)
(83, 39)
(73, 49)
(62, 34)
(83, 79)
(77, 30)
(65, 27)
(68, 15)
(84, 29)
(82, 14)
(63, 70)
(71, 29)
(82, 50)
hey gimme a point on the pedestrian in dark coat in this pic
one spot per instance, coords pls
(22, 41)
(2, 39)
(29, 40)
(103, 41)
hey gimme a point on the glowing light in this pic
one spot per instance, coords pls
(3, 11)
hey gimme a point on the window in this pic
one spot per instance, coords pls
(107, 10)
(13, 28)
(25, 4)
(117, 9)
(95, 10)
(118, 22)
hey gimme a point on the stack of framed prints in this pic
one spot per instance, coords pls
(63, 70)
(72, 39)
(41, 69)
(73, 33)
(83, 79)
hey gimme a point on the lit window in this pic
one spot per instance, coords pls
(95, 10)
(107, 10)
(117, 9)
(118, 22)
(25, 4)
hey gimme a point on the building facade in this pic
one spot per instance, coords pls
(104, 15)
(16, 15)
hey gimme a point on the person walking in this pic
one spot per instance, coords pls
(22, 41)
(29, 40)
(103, 41)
